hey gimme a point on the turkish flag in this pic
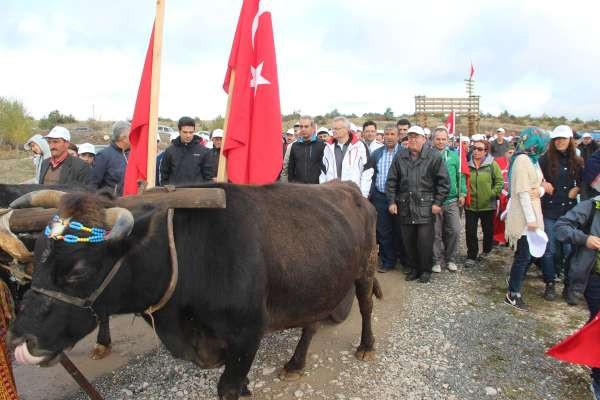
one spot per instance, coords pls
(581, 347)
(253, 142)
(138, 137)
(464, 168)
(450, 123)
(472, 72)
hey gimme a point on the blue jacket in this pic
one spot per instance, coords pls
(108, 169)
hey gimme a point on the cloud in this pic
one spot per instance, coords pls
(354, 55)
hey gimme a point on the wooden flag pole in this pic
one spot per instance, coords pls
(222, 174)
(154, 92)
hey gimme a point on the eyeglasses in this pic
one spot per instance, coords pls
(479, 148)
(303, 126)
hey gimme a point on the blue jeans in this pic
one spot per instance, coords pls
(520, 264)
(552, 248)
(592, 297)
(385, 230)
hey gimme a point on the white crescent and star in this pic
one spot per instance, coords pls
(257, 78)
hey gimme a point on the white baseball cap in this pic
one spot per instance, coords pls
(58, 132)
(353, 127)
(501, 130)
(465, 139)
(585, 135)
(478, 137)
(290, 132)
(217, 133)
(86, 148)
(323, 129)
(427, 131)
(416, 129)
(561, 131)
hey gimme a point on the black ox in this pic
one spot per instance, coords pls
(277, 257)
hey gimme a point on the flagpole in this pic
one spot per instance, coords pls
(154, 92)
(222, 174)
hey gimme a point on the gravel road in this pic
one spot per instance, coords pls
(450, 339)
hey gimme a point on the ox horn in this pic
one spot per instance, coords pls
(39, 198)
(121, 220)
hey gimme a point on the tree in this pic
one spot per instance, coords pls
(15, 124)
(333, 114)
(388, 114)
(56, 118)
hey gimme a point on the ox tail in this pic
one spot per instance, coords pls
(377, 289)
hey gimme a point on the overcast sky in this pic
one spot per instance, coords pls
(357, 56)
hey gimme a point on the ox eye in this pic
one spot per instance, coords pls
(78, 273)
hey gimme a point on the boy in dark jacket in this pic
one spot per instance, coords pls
(186, 160)
(306, 156)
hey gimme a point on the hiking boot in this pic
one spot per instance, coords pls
(437, 268)
(406, 269)
(425, 277)
(569, 296)
(550, 292)
(515, 301)
(413, 275)
(470, 263)
(452, 267)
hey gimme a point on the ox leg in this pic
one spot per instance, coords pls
(364, 294)
(102, 348)
(292, 371)
(238, 361)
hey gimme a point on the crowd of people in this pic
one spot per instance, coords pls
(527, 191)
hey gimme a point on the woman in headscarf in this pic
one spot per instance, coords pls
(562, 178)
(525, 209)
(40, 149)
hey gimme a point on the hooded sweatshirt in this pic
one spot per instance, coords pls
(38, 158)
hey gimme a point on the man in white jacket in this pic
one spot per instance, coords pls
(346, 158)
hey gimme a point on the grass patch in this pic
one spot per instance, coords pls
(16, 170)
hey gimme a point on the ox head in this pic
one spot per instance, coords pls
(79, 247)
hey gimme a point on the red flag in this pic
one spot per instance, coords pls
(450, 123)
(253, 142)
(581, 347)
(138, 137)
(472, 72)
(464, 168)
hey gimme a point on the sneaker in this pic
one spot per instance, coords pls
(550, 292)
(515, 301)
(595, 388)
(452, 267)
(437, 268)
(413, 275)
(425, 277)
(470, 263)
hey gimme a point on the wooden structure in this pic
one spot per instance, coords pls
(462, 106)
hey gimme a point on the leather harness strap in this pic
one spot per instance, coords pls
(88, 302)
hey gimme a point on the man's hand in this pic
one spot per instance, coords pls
(548, 188)
(461, 201)
(573, 193)
(535, 193)
(593, 242)
(532, 226)
(435, 209)
(393, 209)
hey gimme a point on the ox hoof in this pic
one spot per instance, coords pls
(290, 376)
(365, 355)
(99, 352)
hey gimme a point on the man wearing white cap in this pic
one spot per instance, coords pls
(87, 152)
(416, 188)
(499, 146)
(217, 140)
(588, 146)
(323, 133)
(61, 168)
(290, 139)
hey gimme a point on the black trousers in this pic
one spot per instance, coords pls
(418, 244)
(487, 226)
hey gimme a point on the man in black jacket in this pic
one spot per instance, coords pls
(306, 156)
(62, 168)
(108, 170)
(186, 160)
(416, 188)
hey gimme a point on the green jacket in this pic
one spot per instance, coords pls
(486, 185)
(453, 166)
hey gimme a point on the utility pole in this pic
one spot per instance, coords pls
(473, 114)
